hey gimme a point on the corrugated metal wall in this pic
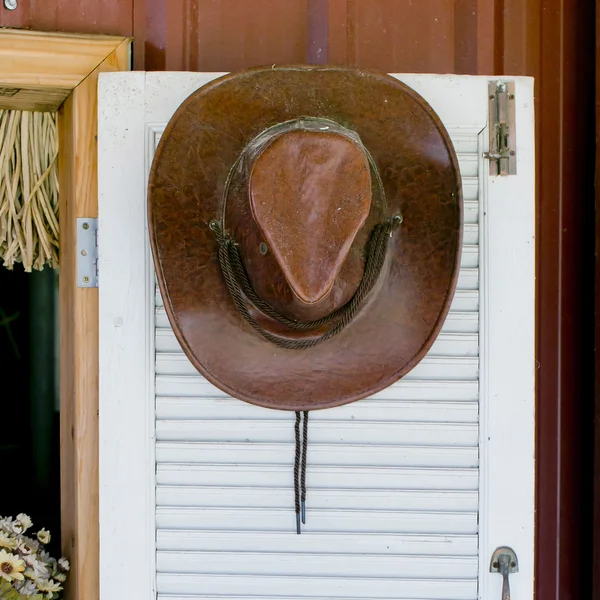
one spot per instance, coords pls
(390, 35)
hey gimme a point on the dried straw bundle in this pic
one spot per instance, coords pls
(28, 189)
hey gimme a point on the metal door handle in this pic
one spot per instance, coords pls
(504, 561)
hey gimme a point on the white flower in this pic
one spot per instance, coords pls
(62, 577)
(25, 520)
(17, 527)
(63, 565)
(53, 566)
(28, 546)
(49, 586)
(44, 556)
(6, 541)
(43, 535)
(36, 569)
(11, 567)
(6, 524)
(26, 588)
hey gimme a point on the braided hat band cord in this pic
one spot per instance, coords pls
(239, 286)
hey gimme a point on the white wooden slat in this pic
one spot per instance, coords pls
(330, 432)
(460, 390)
(468, 279)
(463, 301)
(370, 409)
(465, 145)
(461, 322)
(236, 497)
(470, 235)
(357, 455)
(471, 210)
(273, 519)
(446, 344)
(320, 454)
(324, 477)
(318, 565)
(468, 163)
(407, 389)
(470, 190)
(469, 257)
(273, 597)
(266, 597)
(351, 543)
(431, 367)
(443, 369)
(456, 322)
(349, 588)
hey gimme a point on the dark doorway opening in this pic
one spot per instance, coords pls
(29, 426)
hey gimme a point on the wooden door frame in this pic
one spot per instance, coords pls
(59, 72)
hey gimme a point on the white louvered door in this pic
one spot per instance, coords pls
(409, 491)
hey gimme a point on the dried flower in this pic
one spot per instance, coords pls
(8, 542)
(6, 524)
(36, 568)
(62, 577)
(49, 586)
(43, 535)
(25, 521)
(11, 567)
(18, 527)
(26, 587)
(27, 546)
(26, 569)
(63, 565)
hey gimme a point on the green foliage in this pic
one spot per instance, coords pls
(7, 592)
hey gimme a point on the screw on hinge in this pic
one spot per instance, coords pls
(10, 4)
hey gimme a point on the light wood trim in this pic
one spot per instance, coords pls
(79, 333)
(46, 67)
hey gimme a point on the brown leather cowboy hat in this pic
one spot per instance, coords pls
(306, 230)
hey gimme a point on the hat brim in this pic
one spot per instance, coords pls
(404, 312)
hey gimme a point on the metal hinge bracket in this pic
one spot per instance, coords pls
(87, 253)
(503, 140)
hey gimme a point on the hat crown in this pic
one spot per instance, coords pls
(310, 193)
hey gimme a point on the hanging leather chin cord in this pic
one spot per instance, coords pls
(300, 469)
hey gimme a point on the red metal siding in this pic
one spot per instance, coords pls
(113, 17)
(445, 36)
